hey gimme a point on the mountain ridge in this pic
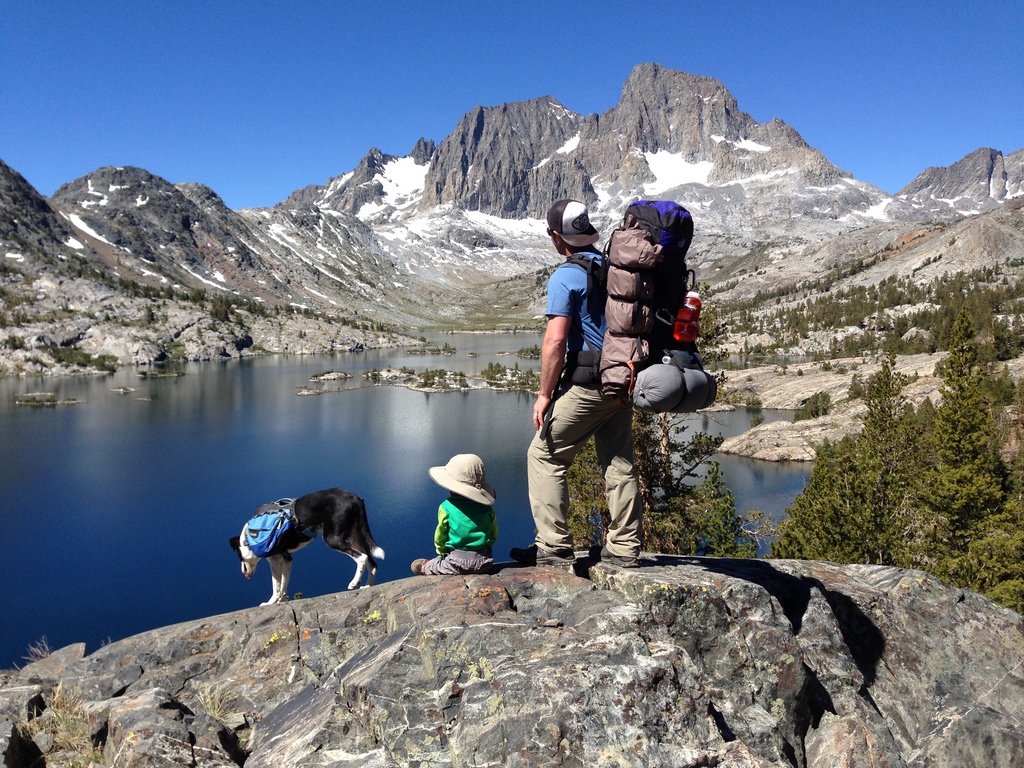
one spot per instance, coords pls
(452, 232)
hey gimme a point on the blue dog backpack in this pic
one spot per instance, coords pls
(268, 524)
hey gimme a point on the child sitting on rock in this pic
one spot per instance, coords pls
(466, 524)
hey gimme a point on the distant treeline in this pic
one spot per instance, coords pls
(887, 311)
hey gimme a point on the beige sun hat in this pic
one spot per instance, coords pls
(464, 474)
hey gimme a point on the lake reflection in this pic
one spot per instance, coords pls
(117, 510)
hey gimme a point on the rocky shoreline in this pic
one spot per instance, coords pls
(789, 386)
(186, 334)
(766, 387)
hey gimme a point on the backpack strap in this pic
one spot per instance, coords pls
(289, 510)
(597, 279)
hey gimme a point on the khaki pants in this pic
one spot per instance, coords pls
(579, 414)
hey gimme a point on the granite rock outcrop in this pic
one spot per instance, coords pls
(681, 662)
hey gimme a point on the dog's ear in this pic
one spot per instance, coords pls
(235, 542)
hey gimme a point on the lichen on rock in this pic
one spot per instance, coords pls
(681, 662)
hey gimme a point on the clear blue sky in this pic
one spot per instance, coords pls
(256, 99)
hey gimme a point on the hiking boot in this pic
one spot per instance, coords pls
(534, 555)
(623, 561)
(418, 566)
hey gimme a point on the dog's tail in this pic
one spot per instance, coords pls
(363, 526)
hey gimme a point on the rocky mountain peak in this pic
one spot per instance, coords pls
(380, 186)
(671, 111)
(136, 213)
(118, 187)
(423, 151)
(670, 129)
(27, 222)
(980, 181)
(204, 197)
(693, 122)
(495, 160)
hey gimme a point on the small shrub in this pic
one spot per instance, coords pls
(816, 405)
(857, 388)
(82, 359)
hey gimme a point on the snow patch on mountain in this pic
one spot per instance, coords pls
(877, 211)
(671, 169)
(565, 149)
(203, 280)
(103, 199)
(569, 146)
(334, 186)
(514, 228)
(77, 222)
(402, 178)
(762, 178)
(747, 144)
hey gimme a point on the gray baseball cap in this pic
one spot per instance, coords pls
(571, 219)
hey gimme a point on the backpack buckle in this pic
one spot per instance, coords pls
(664, 316)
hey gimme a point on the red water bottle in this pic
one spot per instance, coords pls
(687, 324)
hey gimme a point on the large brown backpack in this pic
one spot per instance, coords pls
(645, 284)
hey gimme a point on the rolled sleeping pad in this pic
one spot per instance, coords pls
(666, 388)
(701, 391)
(658, 388)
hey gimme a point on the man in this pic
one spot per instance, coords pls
(567, 414)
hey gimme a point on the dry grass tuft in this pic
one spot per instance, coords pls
(69, 724)
(215, 701)
(38, 650)
(65, 726)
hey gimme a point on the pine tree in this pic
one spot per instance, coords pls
(587, 515)
(999, 554)
(720, 532)
(857, 506)
(994, 561)
(889, 461)
(963, 487)
(821, 522)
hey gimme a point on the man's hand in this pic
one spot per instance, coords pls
(552, 356)
(540, 409)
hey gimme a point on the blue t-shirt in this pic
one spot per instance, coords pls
(567, 297)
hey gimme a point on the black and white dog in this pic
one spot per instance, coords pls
(340, 516)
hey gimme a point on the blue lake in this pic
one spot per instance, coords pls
(117, 510)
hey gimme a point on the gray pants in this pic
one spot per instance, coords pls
(579, 414)
(460, 562)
